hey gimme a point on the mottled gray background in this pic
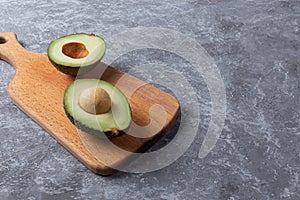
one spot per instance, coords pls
(256, 45)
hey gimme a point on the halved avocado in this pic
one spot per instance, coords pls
(76, 51)
(81, 100)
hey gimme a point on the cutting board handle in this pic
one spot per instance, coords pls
(10, 49)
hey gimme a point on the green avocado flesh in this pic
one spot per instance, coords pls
(77, 53)
(118, 118)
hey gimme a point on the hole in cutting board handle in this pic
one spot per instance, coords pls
(2, 40)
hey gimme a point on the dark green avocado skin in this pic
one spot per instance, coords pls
(73, 71)
(91, 131)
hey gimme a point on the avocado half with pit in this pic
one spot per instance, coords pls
(77, 53)
(97, 107)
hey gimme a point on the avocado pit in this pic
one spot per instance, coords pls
(95, 100)
(75, 50)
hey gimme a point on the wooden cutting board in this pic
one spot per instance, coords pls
(38, 88)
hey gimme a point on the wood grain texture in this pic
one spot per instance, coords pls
(38, 88)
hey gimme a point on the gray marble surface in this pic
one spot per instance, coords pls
(256, 46)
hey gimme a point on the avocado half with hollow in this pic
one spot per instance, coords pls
(77, 53)
(96, 106)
